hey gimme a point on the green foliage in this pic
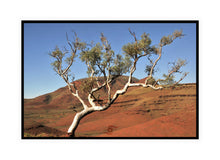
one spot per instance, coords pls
(121, 65)
(139, 47)
(168, 80)
(131, 49)
(166, 40)
(93, 55)
(28, 135)
(87, 85)
(154, 50)
(145, 41)
(70, 59)
(177, 65)
(151, 81)
(55, 65)
(148, 69)
(58, 55)
(101, 59)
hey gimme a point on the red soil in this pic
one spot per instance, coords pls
(140, 112)
(177, 125)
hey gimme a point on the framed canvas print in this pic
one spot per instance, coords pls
(110, 79)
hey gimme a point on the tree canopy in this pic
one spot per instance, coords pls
(102, 62)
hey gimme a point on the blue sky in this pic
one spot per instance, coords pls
(41, 38)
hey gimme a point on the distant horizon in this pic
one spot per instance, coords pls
(41, 38)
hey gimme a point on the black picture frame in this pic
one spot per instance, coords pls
(110, 21)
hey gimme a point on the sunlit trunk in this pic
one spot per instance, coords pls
(76, 120)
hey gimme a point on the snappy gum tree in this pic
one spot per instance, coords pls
(104, 66)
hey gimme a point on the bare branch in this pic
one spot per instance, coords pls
(74, 50)
(133, 34)
(184, 75)
(153, 65)
(105, 44)
(151, 61)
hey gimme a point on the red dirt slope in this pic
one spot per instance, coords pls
(141, 112)
(176, 125)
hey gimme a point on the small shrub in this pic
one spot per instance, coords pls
(151, 81)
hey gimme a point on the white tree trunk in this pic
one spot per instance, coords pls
(94, 107)
(76, 120)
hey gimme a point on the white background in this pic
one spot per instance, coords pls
(12, 12)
